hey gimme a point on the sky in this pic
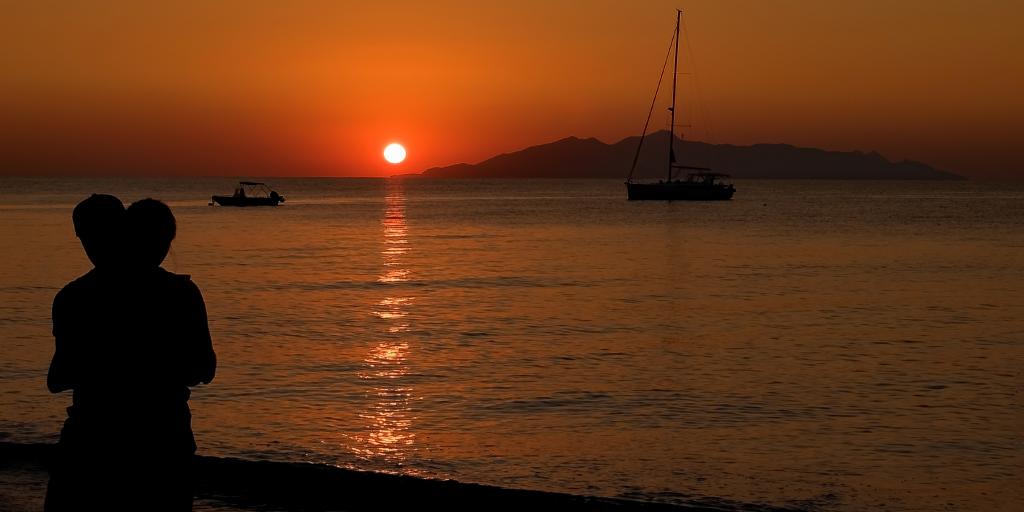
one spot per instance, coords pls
(319, 88)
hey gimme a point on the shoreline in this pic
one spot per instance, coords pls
(258, 485)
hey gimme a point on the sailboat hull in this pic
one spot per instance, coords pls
(679, 191)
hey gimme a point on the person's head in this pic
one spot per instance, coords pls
(151, 228)
(99, 224)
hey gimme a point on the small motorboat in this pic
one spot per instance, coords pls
(250, 193)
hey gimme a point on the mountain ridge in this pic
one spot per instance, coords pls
(574, 157)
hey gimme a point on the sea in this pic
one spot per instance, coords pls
(826, 345)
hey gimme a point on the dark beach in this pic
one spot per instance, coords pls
(229, 484)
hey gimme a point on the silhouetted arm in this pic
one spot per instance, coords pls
(60, 377)
(202, 361)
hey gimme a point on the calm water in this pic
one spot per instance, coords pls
(847, 345)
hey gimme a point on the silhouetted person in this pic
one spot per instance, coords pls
(130, 340)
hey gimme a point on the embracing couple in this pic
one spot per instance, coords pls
(131, 338)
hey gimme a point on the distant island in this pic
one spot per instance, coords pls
(573, 157)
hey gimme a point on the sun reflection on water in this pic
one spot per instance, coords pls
(388, 434)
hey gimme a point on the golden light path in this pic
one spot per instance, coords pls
(389, 418)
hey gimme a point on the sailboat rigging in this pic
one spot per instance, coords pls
(701, 184)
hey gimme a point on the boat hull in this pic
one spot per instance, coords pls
(247, 201)
(678, 191)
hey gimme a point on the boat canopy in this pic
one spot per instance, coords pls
(253, 189)
(250, 193)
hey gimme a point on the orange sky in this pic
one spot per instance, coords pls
(319, 87)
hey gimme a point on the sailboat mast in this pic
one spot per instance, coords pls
(672, 120)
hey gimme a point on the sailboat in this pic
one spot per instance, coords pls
(701, 183)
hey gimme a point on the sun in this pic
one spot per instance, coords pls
(394, 153)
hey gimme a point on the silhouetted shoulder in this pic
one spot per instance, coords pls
(71, 296)
(61, 302)
(75, 288)
(182, 287)
(189, 286)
